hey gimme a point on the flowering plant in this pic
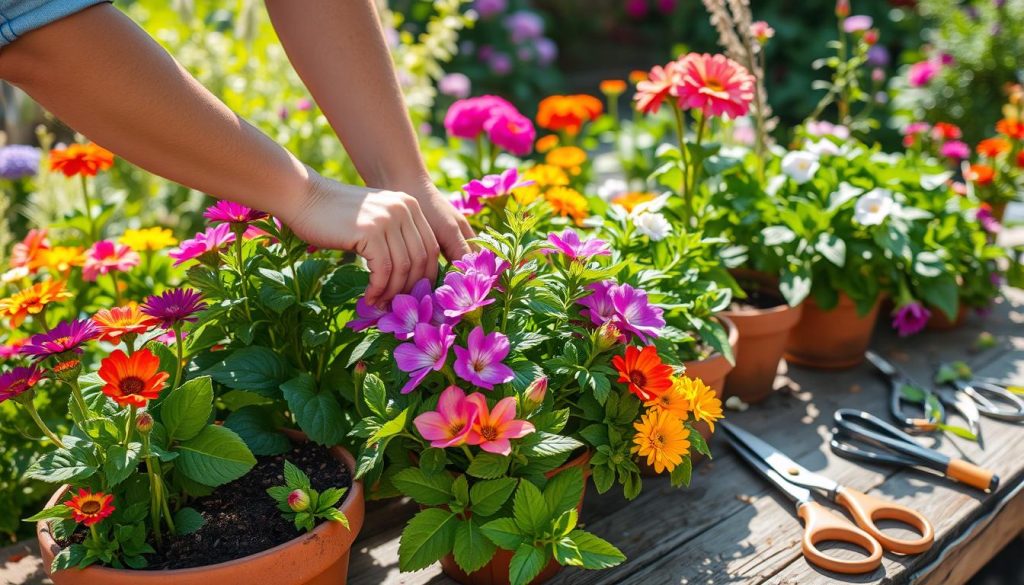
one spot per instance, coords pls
(997, 176)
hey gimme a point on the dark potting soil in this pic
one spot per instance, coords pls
(757, 298)
(241, 519)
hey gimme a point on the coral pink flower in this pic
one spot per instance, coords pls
(480, 362)
(494, 428)
(857, 23)
(210, 241)
(922, 72)
(105, 256)
(762, 31)
(651, 92)
(24, 252)
(427, 352)
(715, 84)
(511, 131)
(466, 118)
(451, 423)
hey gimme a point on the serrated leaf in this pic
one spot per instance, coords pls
(257, 429)
(294, 477)
(565, 490)
(487, 497)
(472, 549)
(214, 457)
(547, 444)
(53, 512)
(530, 509)
(488, 466)
(432, 489)
(347, 283)
(390, 428)
(527, 563)
(375, 395)
(503, 532)
(597, 553)
(121, 462)
(318, 412)
(254, 368)
(62, 466)
(187, 409)
(427, 537)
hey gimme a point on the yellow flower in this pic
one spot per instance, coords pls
(59, 259)
(704, 402)
(148, 239)
(629, 201)
(567, 157)
(546, 143)
(526, 195)
(546, 176)
(568, 202)
(662, 439)
(32, 300)
(676, 400)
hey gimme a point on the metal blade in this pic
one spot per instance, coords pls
(881, 364)
(792, 471)
(793, 491)
(963, 404)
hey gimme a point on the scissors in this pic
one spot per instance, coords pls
(863, 436)
(903, 391)
(989, 398)
(820, 524)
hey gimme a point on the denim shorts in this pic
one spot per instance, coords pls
(18, 17)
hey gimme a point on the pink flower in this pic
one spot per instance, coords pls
(761, 31)
(569, 243)
(427, 352)
(210, 241)
(456, 85)
(463, 293)
(466, 118)
(105, 256)
(366, 316)
(922, 72)
(636, 9)
(826, 128)
(406, 313)
(988, 222)
(480, 362)
(467, 205)
(715, 84)
(511, 131)
(231, 212)
(914, 128)
(494, 428)
(483, 262)
(17, 381)
(857, 23)
(451, 423)
(625, 307)
(910, 318)
(13, 349)
(651, 92)
(955, 149)
(495, 185)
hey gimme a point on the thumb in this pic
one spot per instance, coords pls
(453, 241)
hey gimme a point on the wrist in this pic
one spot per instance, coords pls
(416, 182)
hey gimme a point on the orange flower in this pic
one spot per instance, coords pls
(613, 86)
(647, 377)
(980, 175)
(60, 259)
(118, 321)
(546, 143)
(81, 159)
(662, 439)
(132, 380)
(1011, 128)
(567, 157)
(568, 112)
(637, 75)
(32, 300)
(676, 400)
(629, 201)
(704, 402)
(25, 252)
(90, 507)
(568, 202)
(993, 147)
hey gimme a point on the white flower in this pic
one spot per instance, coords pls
(823, 146)
(14, 274)
(931, 182)
(845, 193)
(800, 166)
(653, 206)
(774, 184)
(873, 207)
(653, 225)
(611, 188)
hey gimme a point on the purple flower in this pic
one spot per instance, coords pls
(467, 205)
(231, 212)
(174, 306)
(922, 72)
(569, 243)
(857, 23)
(625, 307)
(879, 56)
(455, 85)
(406, 313)
(910, 318)
(480, 362)
(367, 316)
(483, 262)
(489, 8)
(636, 9)
(987, 221)
(495, 185)
(524, 25)
(18, 381)
(19, 161)
(66, 336)
(427, 351)
(547, 51)
(210, 241)
(463, 293)
(955, 149)
(500, 63)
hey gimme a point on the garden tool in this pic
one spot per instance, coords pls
(990, 398)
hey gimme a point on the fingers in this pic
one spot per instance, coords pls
(431, 249)
(399, 248)
(453, 241)
(378, 260)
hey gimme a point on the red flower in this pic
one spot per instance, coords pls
(1011, 128)
(980, 174)
(89, 508)
(132, 380)
(655, 87)
(993, 147)
(647, 377)
(946, 131)
(81, 159)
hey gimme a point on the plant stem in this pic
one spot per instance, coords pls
(241, 275)
(76, 394)
(685, 192)
(117, 287)
(42, 425)
(469, 454)
(180, 353)
(133, 412)
(154, 491)
(88, 209)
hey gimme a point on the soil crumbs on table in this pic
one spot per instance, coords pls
(241, 519)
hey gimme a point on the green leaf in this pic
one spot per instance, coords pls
(54, 512)
(347, 283)
(527, 562)
(214, 457)
(63, 466)
(597, 553)
(187, 409)
(567, 553)
(69, 558)
(256, 427)
(944, 294)
(832, 248)
(682, 473)
(390, 428)
(427, 537)
(254, 368)
(294, 477)
(121, 462)
(531, 511)
(546, 444)
(318, 413)
(460, 490)
(564, 490)
(432, 489)
(488, 466)
(698, 443)
(503, 532)
(795, 286)
(958, 431)
(777, 234)
(330, 497)
(433, 460)
(187, 521)
(375, 395)
(472, 549)
(336, 515)
(487, 497)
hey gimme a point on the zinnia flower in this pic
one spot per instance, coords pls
(955, 150)
(427, 352)
(922, 72)
(568, 112)
(704, 402)
(873, 207)
(980, 174)
(463, 293)
(629, 201)
(511, 131)
(89, 508)
(570, 158)
(480, 362)
(28, 251)
(148, 239)
(800, 166)
(231, 212)
(662, 439)
(652, 225)
(1011, 128)
(451, 423)
(66, 336)
(466, 118)
(118, 321)
(105, 256)
(546, 143)
(32, 301)
(675, 400)
(493, 428)
(643, 370)
(761, 31)
(910, 318)
(993, 147)
(19, 161)
(209, 242)
(946, 131)
(81, 159)
(59, 259)
(132, 381)
(570, 244)
(623, 306)
(18, 381)
(656, 87)
(612, 87)
(174, 306)
(715, 84)
(567, 202)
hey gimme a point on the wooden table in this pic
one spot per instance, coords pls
(732, 527)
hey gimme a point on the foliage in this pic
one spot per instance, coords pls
(303, 505)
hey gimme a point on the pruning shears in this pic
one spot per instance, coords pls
(989, 398)
(903, 392)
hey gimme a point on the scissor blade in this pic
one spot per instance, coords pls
(784, 466)
(881, 364)
(795, 492)
(964, 405)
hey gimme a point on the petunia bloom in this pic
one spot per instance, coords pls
(132, 381)
(428, 351)
(495, 427)
(116, 322)
(801, 166)
(714, 84)
(106, 256)
(922, 72)
(910, 318)
(873, 207)
(208, 242)
(570, 244)
(367, 316)
(644, 371)
(81, 159)
(231, 212)
(18, 381)
(66, 336)
(463, 293)
(625, 307)
(174, 306)
(90, 508)
(406, 313)
(480, 362)
(451, 423)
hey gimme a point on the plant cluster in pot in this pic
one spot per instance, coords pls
(491, 398)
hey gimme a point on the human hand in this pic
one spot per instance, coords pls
(450, 227)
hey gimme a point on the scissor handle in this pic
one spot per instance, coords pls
(821, 525)
(868, 509)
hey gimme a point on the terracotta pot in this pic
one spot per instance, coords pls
(834, 339)
(319, 557)
(940, 322)
(495, 572)
(762, 337)
(713, 369)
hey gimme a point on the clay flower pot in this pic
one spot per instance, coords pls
(319, 557)
(834, 339)
(940, 322)
(762, 338)
(713, 369)
(495, 572)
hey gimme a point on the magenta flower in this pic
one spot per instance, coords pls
(955, 149)
(910, 318)
(427, 351)
(625, 307)
(467, 205)
(174, 306)
(915, 128)
(18, 381)
(480, 363)
(922, 72)
(511, 131)
(210, 241)
(406, 313)
(66, 336)
(483, 262)
(106, 256)
(495, 185)
(367, 316)
(988, 222)
(466, 118)
(231, 212)
(462, 293)
(857, 23)
(451, 423)
(569, 243)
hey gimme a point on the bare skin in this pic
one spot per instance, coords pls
(104, 76)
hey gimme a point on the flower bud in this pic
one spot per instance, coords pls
(871, 36)
(877, 75)
(68, 367)
(608, 336)
(536, 390)
(298, 501)
(842, 8)
(144, 423)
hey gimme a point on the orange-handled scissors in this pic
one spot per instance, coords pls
(822, 525)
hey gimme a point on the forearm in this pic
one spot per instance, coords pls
(338, 49)
(102, 75)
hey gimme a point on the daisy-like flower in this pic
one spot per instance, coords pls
(480, 362)
(231, 212)
(569, 158)
(647, 376)
(662, 439)
(704, 402)
(570, 244)
(675, 400)
(67, 336)
(205, 245)
(568, 112)
(980, 174)
(910, 318)
(132, 381)
(993, 147)
(625, 307)
(568, 202)
(18, 381)
(60, 259)
(427, 352)
(90, 508)
(612, 87)
(656, 87)
(32, 301)
(800, 166)
(1011, 128)
(873, 207)
(106, 256)
(494, 428)
(955, 149)
(27, 251)
(81, 159)
(174, 306)
(148, 239)
(451, 423)
(630, 201)
(463, 293)
(12, 349)
(119, 321)
(762, 31)
(652, 225)
(714, 84)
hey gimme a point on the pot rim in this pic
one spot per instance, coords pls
(765, 278)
